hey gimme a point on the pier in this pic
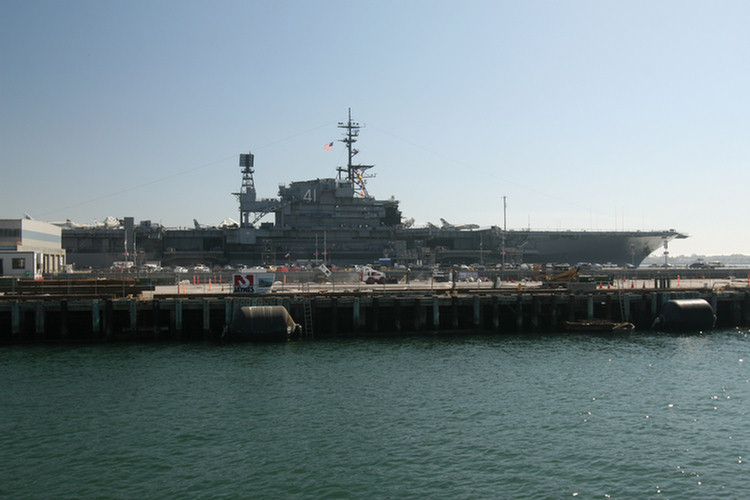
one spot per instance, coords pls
(357, 311)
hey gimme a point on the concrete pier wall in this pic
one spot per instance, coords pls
(190, 317)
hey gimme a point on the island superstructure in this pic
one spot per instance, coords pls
(330, 219)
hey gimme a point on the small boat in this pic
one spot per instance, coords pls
(598, 326)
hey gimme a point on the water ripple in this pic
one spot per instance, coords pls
(637, 416)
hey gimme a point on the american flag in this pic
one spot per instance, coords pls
(328, 147)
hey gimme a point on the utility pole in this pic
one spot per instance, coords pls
(505, 224)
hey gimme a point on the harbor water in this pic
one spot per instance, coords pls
(636, 415)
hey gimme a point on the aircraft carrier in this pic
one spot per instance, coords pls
(337, 221)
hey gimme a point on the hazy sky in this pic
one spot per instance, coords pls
(584, 114)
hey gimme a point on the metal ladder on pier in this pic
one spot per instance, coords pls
(307, 306)
(624, 315)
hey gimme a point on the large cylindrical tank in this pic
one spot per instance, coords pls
(686, 315)
(262, 323)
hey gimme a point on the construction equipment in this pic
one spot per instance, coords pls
(565, 276)
(322, 274)
(370, 275)
(558, 280)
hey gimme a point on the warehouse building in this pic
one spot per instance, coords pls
(29, 248)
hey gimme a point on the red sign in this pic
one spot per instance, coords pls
(242, 280)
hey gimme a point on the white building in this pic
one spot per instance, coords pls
(30, 248)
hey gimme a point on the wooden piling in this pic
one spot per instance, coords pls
(571, 307)
(397, 314)
(375, 312)
(64, 319)
(736, 312)
(435, 313)
(39, 326)
(95, 317)
(454, 312)
(553, 312)
(133, 310)
(477, 312)
(155, 306)
(206, 316)
(496, 313)
(519, 312)
(626, 308)
(178, 317)
(15, 318)
(334, 319)
(535, 313)
(356, 324)
(108, 319)
(715, 302)
(228, 312)
(420, 315)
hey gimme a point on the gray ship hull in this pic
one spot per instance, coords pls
(571, 247)
(427, 246)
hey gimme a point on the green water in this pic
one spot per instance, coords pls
(632, 416)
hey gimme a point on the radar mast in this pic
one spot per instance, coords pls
(247, 193)
(251, 208)
(354, 173)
